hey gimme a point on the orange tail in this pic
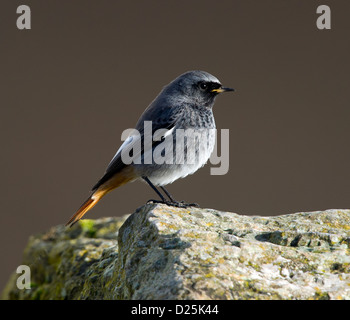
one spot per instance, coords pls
(85, 207)
(115, 181)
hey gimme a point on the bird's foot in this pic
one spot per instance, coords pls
(178, 204)
(183, 204)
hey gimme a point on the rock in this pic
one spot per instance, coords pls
(163, 252)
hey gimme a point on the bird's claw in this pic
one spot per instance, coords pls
(178, 204)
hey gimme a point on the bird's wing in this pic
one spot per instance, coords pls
(165, 118)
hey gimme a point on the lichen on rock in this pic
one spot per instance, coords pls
(162, 252)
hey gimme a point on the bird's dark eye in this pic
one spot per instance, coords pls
(203, 86)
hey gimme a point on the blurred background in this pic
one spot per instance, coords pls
(87, 70)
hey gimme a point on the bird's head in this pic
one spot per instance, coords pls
(195, 87)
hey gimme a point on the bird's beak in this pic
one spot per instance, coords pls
(222, 89)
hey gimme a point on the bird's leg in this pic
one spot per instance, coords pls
(156, 190)
(168, 194)
(172, 202)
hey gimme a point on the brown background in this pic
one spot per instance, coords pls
(87, 69)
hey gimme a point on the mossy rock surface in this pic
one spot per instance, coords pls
(162, 252)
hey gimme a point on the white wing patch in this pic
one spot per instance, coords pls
(129, 140)
(135, 136)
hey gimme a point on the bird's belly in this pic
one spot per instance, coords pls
(185, 159)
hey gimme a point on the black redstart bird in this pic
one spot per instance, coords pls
(183, 109)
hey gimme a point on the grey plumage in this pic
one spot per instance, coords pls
(180, 105)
